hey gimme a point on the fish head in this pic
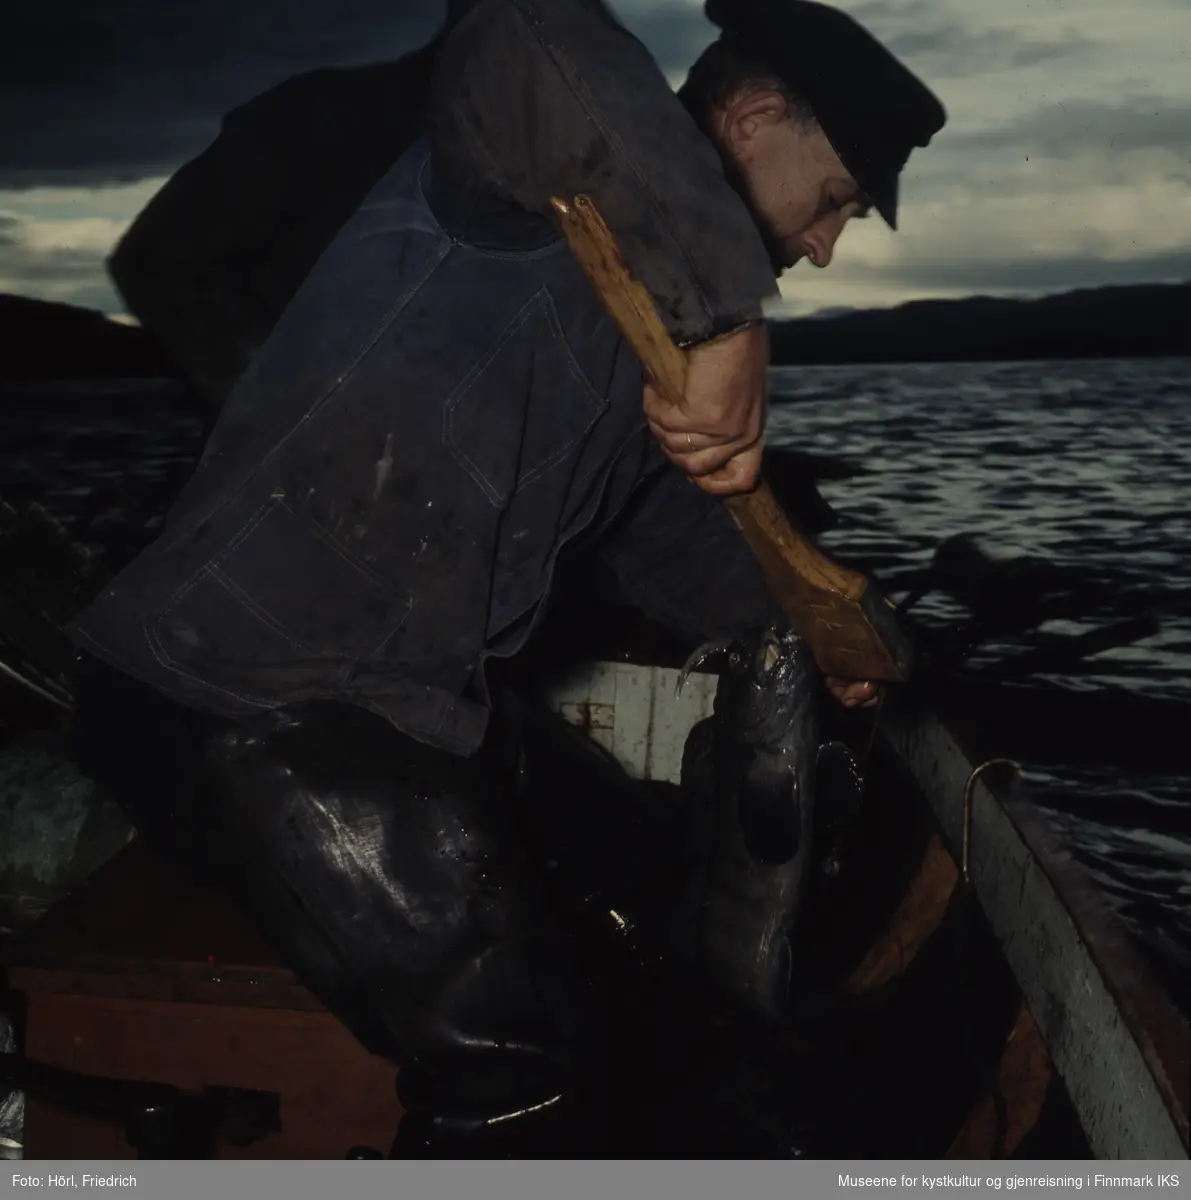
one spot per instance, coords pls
(766, 693)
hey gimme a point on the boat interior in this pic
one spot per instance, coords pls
(147, 1019)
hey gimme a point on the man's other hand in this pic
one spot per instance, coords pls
(717, 437)
(854, 693)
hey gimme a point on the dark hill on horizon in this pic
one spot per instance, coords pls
(1146, 320)
(45, 340)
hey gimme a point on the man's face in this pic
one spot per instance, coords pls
(800, 191)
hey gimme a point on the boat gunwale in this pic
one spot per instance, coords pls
(1160, 1030)
(1160, 1033)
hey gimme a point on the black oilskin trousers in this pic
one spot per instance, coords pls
(389, 878)
(403, 887)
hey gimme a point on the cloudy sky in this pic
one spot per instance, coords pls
(1066, 161)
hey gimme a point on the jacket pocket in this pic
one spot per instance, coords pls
(282, 590)
(523, 408)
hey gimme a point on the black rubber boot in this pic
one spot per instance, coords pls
(552, 1131)
(392, 881)
(401, 888)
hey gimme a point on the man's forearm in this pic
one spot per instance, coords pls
(535, 98)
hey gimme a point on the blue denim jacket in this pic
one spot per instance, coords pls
(444, 405)
(537, 98)
(216, 256)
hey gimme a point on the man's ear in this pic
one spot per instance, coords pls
(751, 114)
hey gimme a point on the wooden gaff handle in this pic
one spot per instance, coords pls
(849, 626)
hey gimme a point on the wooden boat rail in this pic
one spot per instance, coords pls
(1097, 1004)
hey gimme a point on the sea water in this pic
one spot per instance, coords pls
(1085, 464)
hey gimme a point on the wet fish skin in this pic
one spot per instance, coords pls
(754, 761)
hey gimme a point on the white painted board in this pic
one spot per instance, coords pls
(636, 712)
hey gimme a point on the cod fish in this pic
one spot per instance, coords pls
(753, 770)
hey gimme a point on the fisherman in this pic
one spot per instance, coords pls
(290, 690)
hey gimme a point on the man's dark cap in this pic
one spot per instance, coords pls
(873, 110)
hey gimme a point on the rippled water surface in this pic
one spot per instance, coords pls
(1086, 464)
(1082, 463)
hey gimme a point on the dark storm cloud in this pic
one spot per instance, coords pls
(675, 35)
(938, 49)
(944, 49)
(1072, 128)
(97, 93)
(957, 52)
(94, 93)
